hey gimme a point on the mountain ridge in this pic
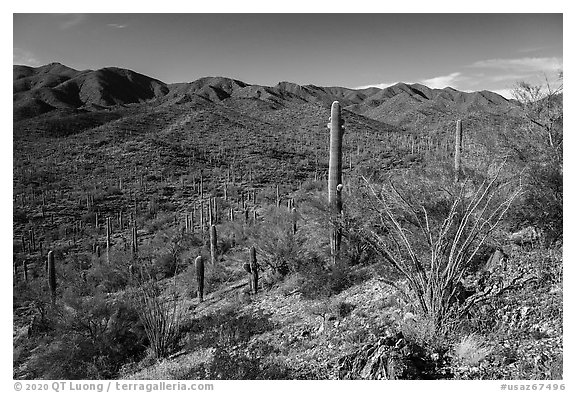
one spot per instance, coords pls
(53, 86)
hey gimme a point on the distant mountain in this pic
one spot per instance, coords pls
(42, 89)
(55, 86)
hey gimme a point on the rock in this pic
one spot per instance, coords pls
(391, 357)
(380, 360)
(497, 258)
(527, 235)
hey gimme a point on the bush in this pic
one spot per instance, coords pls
(91, 338)
(161, 318)
(432, 242)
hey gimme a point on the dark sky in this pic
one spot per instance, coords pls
(465, 51)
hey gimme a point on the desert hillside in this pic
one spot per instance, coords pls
(130, 194)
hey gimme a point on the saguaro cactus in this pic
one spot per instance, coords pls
(336, 126)
(134, 239)
(213, 244)
(108, 235)
(25, 268)
(254, 270)
(52, 275)
(458, 151)
(277, 195)
(199, 264)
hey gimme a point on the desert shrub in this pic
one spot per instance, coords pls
(232, 365)
(110, 276)
(431, 242)
(161, 317)
(320, 281)
(20, 216)
(536, 145)
(91, 338)
(283, 250)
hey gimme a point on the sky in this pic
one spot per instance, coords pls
(468, 52)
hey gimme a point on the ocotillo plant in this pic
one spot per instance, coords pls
(52, 275)
(336, 126)
(254, 270)
(457, 151)
(199, 264)
(213, 244)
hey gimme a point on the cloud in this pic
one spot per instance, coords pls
(71, 20)
(382, 85)
(506, 93)
(24, 57)
(439, 82)
(117, 25)
(523, 65)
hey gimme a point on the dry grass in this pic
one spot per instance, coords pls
(471, 350)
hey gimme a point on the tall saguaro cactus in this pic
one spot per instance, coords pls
(199, 265)
(458, 152)
(336, 126)
(52, 275)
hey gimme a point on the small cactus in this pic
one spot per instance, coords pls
(199, 265)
